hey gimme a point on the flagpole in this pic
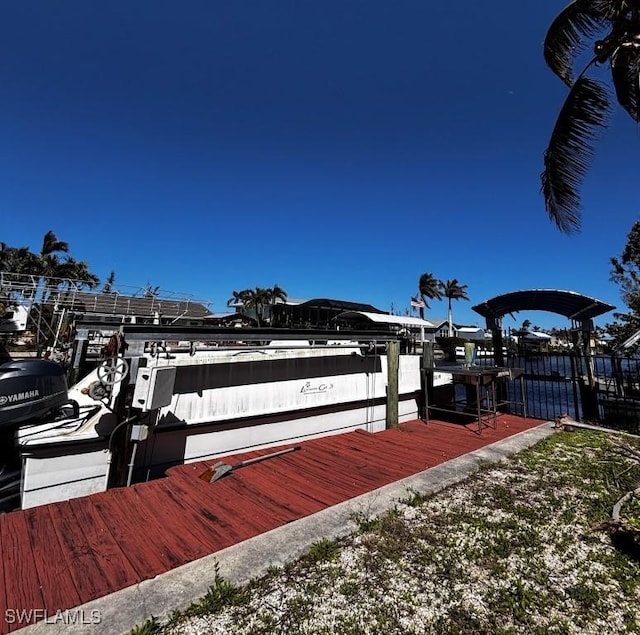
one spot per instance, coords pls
(419, 303)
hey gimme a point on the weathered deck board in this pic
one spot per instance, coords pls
(167, 543)
(287, 474)
(113, 563)
(50, 559)
(57, 556)
(3, 584)
(21, 582)
(268, 494)
(251, 502)
(83, 563)
(126, 530)
(171, 524)
(224, 531)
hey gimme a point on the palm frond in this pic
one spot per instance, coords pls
(569, 35)
(569, 153)
(612, 10)
(625, 71)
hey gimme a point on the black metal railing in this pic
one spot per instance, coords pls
(558, 384)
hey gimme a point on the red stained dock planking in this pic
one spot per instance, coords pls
(58, 556)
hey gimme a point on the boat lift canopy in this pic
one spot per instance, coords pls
(578, 308)
(572, 305)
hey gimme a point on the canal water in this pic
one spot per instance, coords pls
(553, 382)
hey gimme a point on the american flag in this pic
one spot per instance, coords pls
(417, 303)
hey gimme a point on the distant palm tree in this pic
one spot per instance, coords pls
(51, 244)
(108, 285)
(256, 299)
(275, 293)
(49, 261)
(75, 275)
(429, 289)
(586, 109)
(237, 297)
(77, 272)
(149, 292)
(5, 256)
(526, 325)
(49, 271)
(452, 290)
(18, 260)
(49, 274)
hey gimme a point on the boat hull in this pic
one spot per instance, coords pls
(211, 405)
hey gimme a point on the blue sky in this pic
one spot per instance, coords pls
(338, 149)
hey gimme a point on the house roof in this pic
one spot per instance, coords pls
(118, 304)
(572, 305)
(535, 335)
(327, 303)
(469, 329)
(229, 318)
(384, 318)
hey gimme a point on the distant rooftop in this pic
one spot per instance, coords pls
(117, 304)
(73, 295)
(382, 318)
(344, 305)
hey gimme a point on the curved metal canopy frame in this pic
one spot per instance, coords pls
(572, 305)
(581, 309)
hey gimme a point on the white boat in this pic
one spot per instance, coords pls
(14, 319)
(139, 413)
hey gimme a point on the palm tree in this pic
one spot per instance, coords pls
(51, 244)
(150, 292)
(5, 257)
(237, 297)
(275, 293)
(77, 275)
(429, 289)
(256, 299)
(49, 269)
(453, 291)
(108, 285)
(588, 104)
(50, 265)
(262, 299)
(18, 260)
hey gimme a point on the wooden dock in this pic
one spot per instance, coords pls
(59, 556)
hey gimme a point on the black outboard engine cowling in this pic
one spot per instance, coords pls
(30, 389)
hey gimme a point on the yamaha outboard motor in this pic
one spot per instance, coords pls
(30, 389)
